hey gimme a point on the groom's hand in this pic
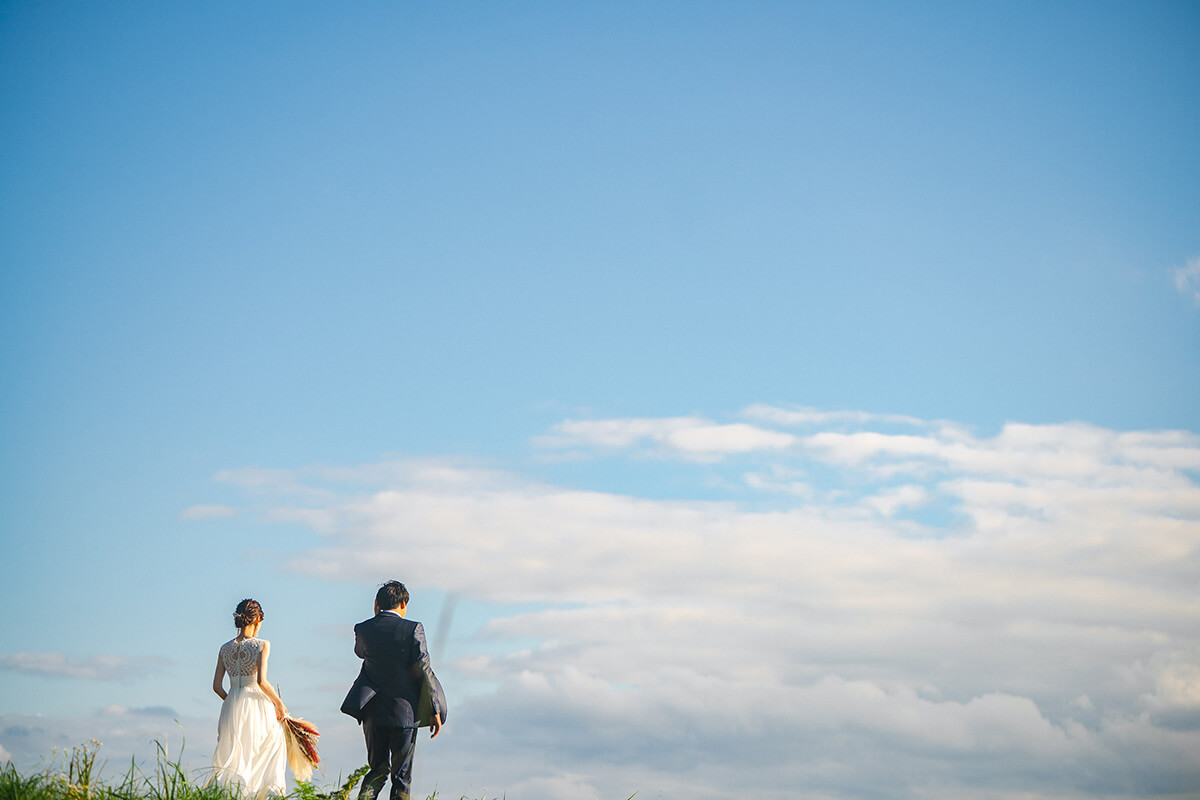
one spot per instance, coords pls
(435, 726)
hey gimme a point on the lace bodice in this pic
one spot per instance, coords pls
(241, 658)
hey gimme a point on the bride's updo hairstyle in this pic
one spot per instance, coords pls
(248, 612)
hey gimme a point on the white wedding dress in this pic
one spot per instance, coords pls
(251, 752)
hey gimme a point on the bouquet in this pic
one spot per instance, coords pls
(302, 752)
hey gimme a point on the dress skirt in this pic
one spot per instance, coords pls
(251, 753)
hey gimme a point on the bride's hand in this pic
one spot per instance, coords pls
(280, 712)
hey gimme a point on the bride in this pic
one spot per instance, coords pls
(251, 752)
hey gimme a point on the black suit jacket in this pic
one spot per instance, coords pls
(396, 685)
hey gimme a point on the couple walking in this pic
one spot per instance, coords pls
(394, 694)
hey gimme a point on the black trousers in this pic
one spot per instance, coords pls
(389, 750)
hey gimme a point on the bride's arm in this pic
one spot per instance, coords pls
(219, 678)
(265, 685)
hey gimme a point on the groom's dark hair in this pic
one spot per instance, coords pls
(391, 595)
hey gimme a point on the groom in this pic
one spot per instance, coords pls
(395, 693)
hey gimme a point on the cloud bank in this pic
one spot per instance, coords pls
(116, 734)
(98, 667)
(1187, 280)
(865, 606)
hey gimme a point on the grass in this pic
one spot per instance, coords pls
(76, 776)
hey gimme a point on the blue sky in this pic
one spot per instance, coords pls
(850, 330)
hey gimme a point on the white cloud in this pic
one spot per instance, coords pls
(207, 512)
(98, 667)
(720, 439)
(1024, 453)
(116, 710)
(615, 433)
(4, 755)
(690, 437)
(780, 479)
(889, 501)
(798, 416)
(274, 482)
(1043, 636)
(1187, 280)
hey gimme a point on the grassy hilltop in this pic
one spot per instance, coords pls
(76, 776)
